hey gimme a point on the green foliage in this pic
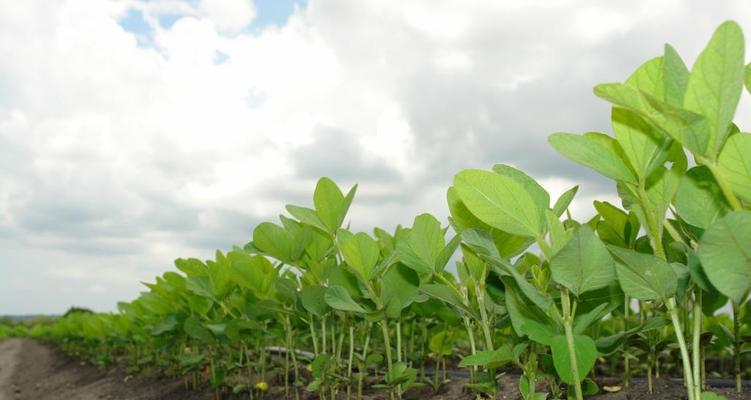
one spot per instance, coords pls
(584, 263)
(499, 201)
(725, 253)
(532, 287)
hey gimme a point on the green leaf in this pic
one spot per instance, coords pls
(340, 276)
(699, 200)
(675, 75)
(597, 151)
(200, 285)
(461, 217)
(725, 254)
(650, 78)
(585, 352)
(320, 245)
(698, 276)
(330, 204)
(644, 276)
(483, 245)
(313, 299)
(321, 366)
(500, 202)
(748, 77)
(641, 142)
(561, 205)
(408, 257)
(400, 374)
(584, 263)
(399, 289)
(191, 266)
(735, 164)
(661, 188)
(584, 320)
(168, 324)
(538, 193)
(306, 216)
(508, 245)
(300, 236)
(361, 253)
(638, 139)
(712, 396)
(448, 251)
(447, 295)
(616, 227)
(442, 343)
(273, 240)
(556, 231)
(686, 127)
(716, 82)
(426, 239)
(526, 319)
(489, 358)
(254, 273)
(338, 298)
(195, 329)
(588, 386)
(220, 272)
(607, 345)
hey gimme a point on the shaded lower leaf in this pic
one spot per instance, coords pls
(489, 359)
(585, 352)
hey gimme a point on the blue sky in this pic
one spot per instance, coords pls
(268, 13)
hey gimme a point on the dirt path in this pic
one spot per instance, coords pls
(31, 370)
(9, 350)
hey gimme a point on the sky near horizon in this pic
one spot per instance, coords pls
(133, 132)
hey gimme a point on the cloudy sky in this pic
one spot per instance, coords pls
(135, 132)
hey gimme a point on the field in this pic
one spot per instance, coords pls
(512, 298)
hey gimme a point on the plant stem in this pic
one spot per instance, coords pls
(626, 361)
(649, 374)
(737, 346)
(286, 373)
(364, 367)
(687, 374)
(435, 374)
(472, 347)
(531, 370)
(398, 341)
(340, 346)
(568, 322)
(323, 335)
(387, 344)
(696, 350)
(411, 348)
(291, 351)
(333, 340)
(349, 362)
(312, 326)
(480, 294)
(250, 372)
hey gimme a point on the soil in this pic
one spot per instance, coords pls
(33, 370)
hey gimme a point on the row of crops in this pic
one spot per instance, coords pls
(509, 284)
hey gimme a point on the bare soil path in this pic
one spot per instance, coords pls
(32, 370)
(9, 350)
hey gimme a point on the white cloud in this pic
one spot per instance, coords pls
(116, 158)
(229, 15)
